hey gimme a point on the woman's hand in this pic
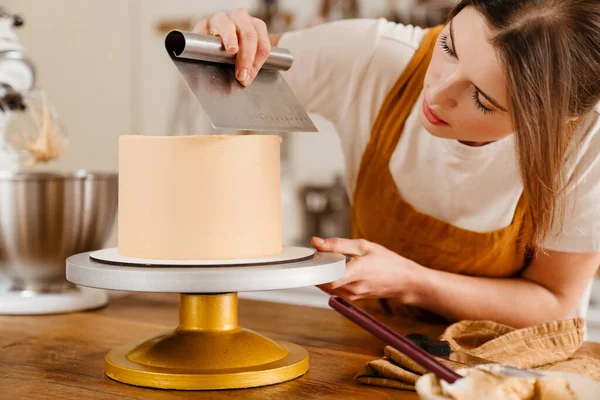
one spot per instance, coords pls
(243, 35)
(373, 272)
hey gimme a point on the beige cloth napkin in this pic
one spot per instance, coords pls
(550, 346)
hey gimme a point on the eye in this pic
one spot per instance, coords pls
(445, 46)
(485, 110)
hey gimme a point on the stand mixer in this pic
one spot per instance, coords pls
(44, 216)
(17, 76)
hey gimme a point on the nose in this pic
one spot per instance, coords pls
(442, 93)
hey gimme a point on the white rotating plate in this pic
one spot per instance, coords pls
(289, 254)
(321, 268)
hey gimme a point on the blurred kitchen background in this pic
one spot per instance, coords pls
(104, 67)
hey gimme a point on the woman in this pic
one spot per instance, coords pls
(472, 152)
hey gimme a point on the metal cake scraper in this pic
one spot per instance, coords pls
(267, 104)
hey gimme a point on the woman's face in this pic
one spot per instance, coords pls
(465, 88)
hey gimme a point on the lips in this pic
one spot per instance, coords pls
(431, 116)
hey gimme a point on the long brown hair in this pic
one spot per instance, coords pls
(550, 51)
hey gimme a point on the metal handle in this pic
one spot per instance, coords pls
(194, 46)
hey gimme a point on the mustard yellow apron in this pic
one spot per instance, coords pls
(381, 215)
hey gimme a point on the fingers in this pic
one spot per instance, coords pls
(342, 282)
(354, 272)
(356, 291)
(352, 292)
(242, 35)
(263, 48)
(222, 25)
(350, 247)
(327, 289)
(352, 286)
(248, 38)
(335, 292)
(202, 27)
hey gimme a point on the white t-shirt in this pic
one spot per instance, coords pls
(343, 71)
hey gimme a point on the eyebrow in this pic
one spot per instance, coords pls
(488, 98)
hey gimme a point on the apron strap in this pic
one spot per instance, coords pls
(400, 100)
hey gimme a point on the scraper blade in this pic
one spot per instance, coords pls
(267, 104)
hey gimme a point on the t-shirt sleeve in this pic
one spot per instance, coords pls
(330, 61)
(581, 223)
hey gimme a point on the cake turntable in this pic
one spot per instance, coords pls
(208, 350)
(197, 214)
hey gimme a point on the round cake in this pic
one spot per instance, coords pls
(213, 197)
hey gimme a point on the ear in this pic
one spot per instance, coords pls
(573, 119)
(572, 123)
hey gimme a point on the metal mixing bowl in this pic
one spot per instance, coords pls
(47, 217)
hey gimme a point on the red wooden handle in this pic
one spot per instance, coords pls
(394, 339)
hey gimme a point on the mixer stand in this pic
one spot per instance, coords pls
(63, 300)
(208, 350)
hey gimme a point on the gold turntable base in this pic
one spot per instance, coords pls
(207, 351)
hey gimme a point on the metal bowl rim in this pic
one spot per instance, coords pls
(47, 176)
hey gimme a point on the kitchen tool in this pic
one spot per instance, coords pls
(44, 218)
(208, 350)
(268, 104)
(394, 339)
(442, 349)
(17, 76)
(11, 54)
(32, 134)
(15, 19)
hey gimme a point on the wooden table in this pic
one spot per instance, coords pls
(62, 356)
